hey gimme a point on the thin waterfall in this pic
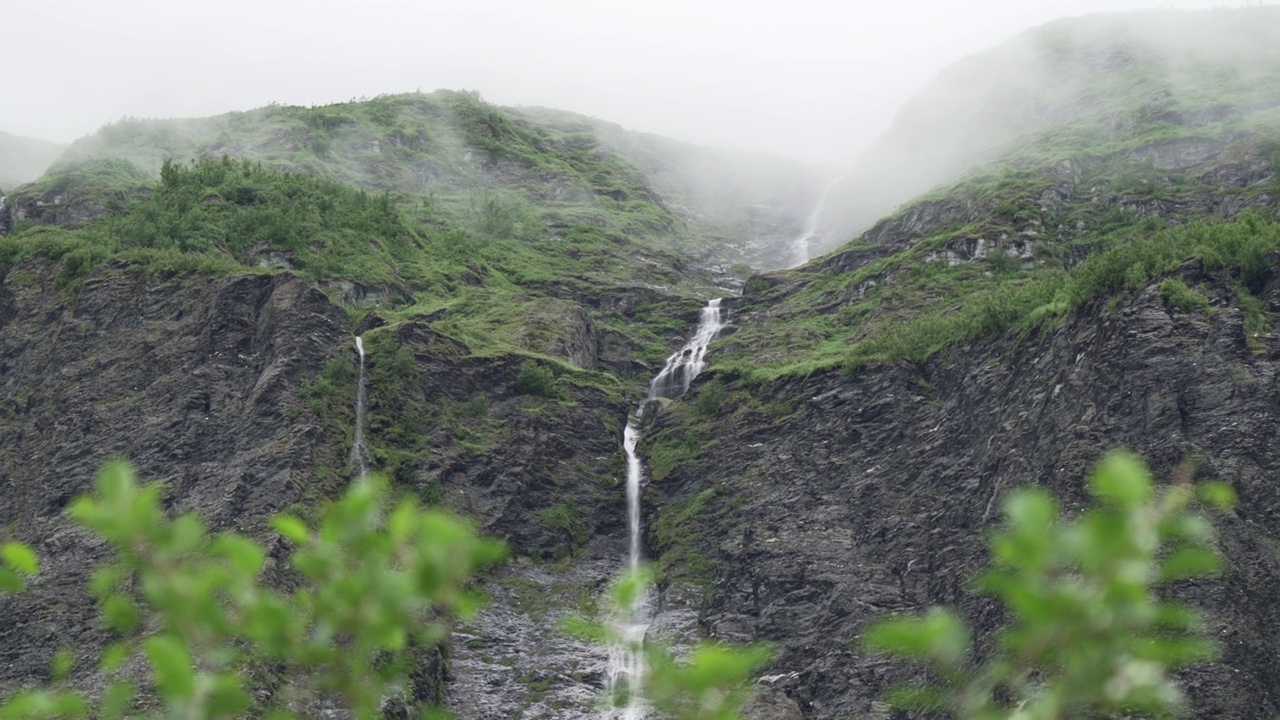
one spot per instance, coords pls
(359, 452)
(800, 246)
(626, 658)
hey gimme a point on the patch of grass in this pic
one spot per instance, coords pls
(1176, 293)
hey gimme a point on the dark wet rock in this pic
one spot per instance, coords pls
(873, 496)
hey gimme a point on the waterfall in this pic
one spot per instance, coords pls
(359, 453)
(683, 366)
(800, 246)
(626, 659)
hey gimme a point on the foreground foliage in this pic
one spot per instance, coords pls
(375, 588)
(1088, 635)
(204, 629)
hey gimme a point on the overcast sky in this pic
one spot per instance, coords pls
(813, 79)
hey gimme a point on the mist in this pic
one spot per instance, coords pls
(811, 80)
(1092, 80)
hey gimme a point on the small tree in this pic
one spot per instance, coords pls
(1088, 635)
(536, 379)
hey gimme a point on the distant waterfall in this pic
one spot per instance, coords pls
(359, 452)
(626, 661)
(800, 246)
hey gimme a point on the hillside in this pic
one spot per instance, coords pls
(24, 159)
(1094, 274)
(1078, 254)
(1089, 88)
(581, 175)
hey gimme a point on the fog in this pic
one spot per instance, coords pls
(811, 79)
(1101, 76)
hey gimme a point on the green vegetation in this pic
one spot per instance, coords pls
(931, 305)
(677, 533)
(1176, 293)
(536, 379)
(375, 587)
(1088, 634)
(567, 521)
(200, 633)
(711, 396)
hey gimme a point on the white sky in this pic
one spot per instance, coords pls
(812, 79)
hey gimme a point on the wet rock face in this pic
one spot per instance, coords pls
(874, 495)
(194, 380)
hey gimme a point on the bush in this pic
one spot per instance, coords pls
(1089, 636)
(1176, 293)
(710, 397)
(535, 379)
(375, 585)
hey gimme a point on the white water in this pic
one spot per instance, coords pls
(683, 366)
(359, 453)
(626, 657)
(800, 246)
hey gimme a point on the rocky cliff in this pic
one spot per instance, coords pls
(838, 501)
(1110, 278)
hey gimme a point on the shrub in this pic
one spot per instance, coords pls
(710, 397)
(1176, 293)
(1088, 636)
(375, 585)
(535, 379)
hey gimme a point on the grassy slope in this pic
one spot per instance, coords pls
(1149, 168)
(476, 217)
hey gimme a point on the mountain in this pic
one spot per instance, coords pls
(1076, 88)
(24, 159)
(450, 147)
(1069, 255)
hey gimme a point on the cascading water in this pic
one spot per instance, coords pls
(359, 453)
(683, 366)
(626, 661)
(800, 246)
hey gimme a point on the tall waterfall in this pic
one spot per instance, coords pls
(626, 659)
(359, 452)
(800, 246)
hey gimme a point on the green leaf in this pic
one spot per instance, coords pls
(63, 662)
(1218, 494)
(120, 614)
(20, 558)
(291, 529)
(243, 553)
(1122, 478)
(115, 701)
(940, 636)
(10, 582)
(1190, 562)
(114, 656)
(171, 666)
(227, 699)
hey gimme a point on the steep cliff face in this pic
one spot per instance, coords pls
(237, 394)
(837, 501)
(195, 380)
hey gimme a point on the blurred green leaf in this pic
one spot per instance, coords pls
(20, 557)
